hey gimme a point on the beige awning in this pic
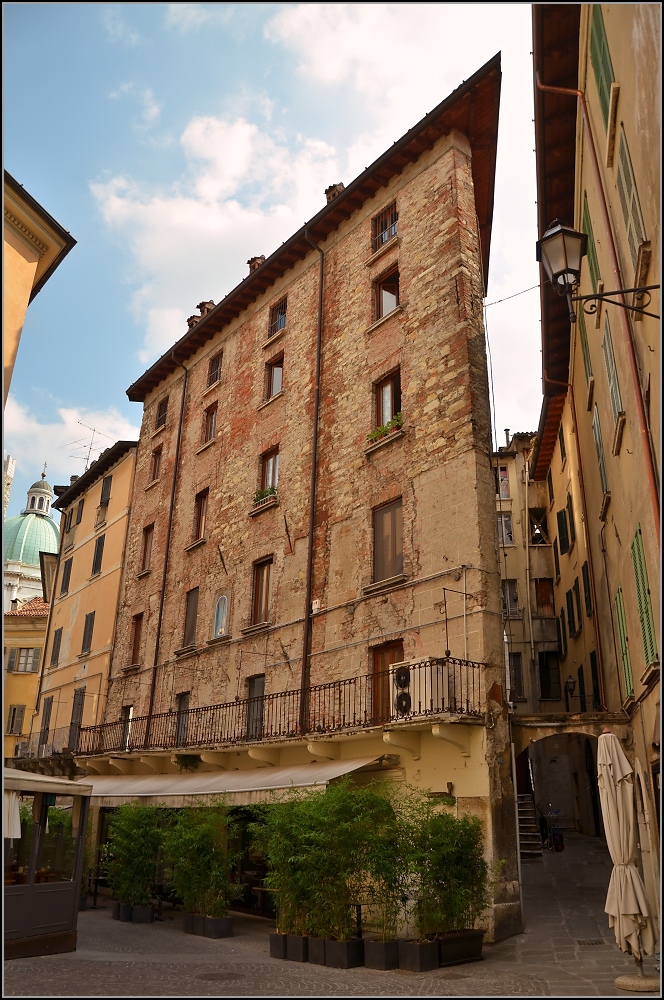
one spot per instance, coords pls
(25, 781)
(240, 788)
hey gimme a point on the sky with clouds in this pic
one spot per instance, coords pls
(175, 141)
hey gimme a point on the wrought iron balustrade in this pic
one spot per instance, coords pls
(405, 692)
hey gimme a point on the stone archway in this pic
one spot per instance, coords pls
(560, 771)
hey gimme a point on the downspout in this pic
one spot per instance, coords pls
(155, 663)
(643, 424)
(586, 533)
(306, 632)
(527, 520)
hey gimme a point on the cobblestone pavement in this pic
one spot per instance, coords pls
(566, 950)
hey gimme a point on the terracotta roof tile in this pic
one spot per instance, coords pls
(35, 608)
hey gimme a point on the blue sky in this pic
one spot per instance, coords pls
(175, 141)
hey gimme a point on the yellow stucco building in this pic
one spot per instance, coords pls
(25, 632)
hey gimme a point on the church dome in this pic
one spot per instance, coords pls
(26, 535)
(41, 485)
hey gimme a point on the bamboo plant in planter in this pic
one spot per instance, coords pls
(202, 863)
(130, 860)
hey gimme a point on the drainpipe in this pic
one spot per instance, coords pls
(306, 632)
(527, 520)
(155, 663)
(629, 343)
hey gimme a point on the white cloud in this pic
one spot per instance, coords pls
(144, 96)
(187, 17)
(117, 30)
(62, 444)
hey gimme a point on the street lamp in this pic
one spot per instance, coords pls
(560, 252)
(570, 686)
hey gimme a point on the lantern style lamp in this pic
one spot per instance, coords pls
(560, 252)
(570, 687)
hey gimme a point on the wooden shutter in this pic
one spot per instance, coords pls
(76, 717)
(587, 593)
(46, 720)
(66, 576)
(611, 371)
(629, 199)
(624, 643)
(599, 448)
(16, 716)
(601, 61)
(190, 618)
(643, 598)
(55, 650)
(585, 349)
(99, 552)
(594, 676)
(105, 491)
(563, 536)
(571, 621)
(587, 227)
(79, 511)
(570, 518)
(563, 632)
(11, 662)
(577, 602)
(87, 632)
(556, 558)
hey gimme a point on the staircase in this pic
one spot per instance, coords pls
(529, 837)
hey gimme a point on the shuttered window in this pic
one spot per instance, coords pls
(76, 718)
(570, 519)
(105, 491)
(99, 554)
(624, 643)
(562, 633)
(563, 536)
(66, 576)
(587, 593)
(611, 371)
(55, 649)
(15, 720)
(601, 61)
(585, 349)
(643, 598)
(79, 511)
(190, 618)
(593, 265)
(571, 620)
(388, 541)
(46, 720)
(599, 447)
(629, 199)
(577, 603)
(556, 558)
(594, 676)
(88, 628)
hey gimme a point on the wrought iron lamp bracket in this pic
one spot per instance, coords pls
(641, 295)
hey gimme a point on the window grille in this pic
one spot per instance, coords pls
(214, 370)
(384, 227)
(277, 317)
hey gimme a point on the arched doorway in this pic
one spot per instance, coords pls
(560, 772)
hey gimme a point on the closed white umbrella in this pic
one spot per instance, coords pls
(626, 904)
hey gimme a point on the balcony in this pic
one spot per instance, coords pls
(47, 745)
(408, 692)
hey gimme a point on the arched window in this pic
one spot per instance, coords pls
(41, 503)
(220, 617)
(32, 502)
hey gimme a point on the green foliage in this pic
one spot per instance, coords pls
(197, 847)
(269, 491)
(392, 425)
(131, 854)
(187, 761)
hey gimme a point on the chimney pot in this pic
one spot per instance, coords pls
(333, 190)
(507, 437)
(72, 480)
(255, 262)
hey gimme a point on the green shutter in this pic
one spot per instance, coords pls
(11, 662)
(599, 447)
(593, 265)
(629, 199)
(601, 61)
(585, 349)
(624, 643)
(556, 558)
(611, 371)
(563, 536)
(643, 598)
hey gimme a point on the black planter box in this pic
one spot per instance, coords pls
(297, 948)
(125, 912)
(194, 923)
(317, 951)
(381, 954)
(278, 945)
(141, 914)
(460, 947)
(418, 956)
(344, 954)
(218, 927)
(82, 902)
(115, 912)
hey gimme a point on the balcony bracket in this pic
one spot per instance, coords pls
(159, 765)
(264, 755)
(410, 742)
(460, 739)
(121, 766)
(328, 751)
(219, 759)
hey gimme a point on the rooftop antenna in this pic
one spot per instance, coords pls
(94, 431)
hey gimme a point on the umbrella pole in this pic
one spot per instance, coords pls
(639, 966)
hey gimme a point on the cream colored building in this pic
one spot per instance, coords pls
(35, 245)
(24, 635)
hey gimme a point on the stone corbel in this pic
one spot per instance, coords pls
(158, 765)
(410, 742)
(218, 758)
(328, 751)
(264, 755)
(121, 766)
(458, 737)
(96, 766)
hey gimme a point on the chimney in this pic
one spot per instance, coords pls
(14, 604)
(507, 437)
(205, 307)
(333, 190)
(255, 262)
(72, 480)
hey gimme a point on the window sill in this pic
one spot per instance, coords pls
(260, 627)
(386, 247)
(383, 319)
(219, 640)
(100, 524)
(606, 500)
(211, 388)
(195, 545)
(380, 585)
(68, 547)
(208, 444)
(94, 576)
(264, 505)
(386, 439)
(153, 483)
(131, 668)
(186, 651)
(618, 433)
(159, 430)
(84, 656)
(266, 402)
(144, 572)
(650, 674)
(275, 336)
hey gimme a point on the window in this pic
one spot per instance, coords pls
(556, 558)
(538, 527)
(15, 720)
(593, 265)
(79, 511)
(262, 587)
(562, 633)
(563, 535)
(571, 617)
(40, 505)
(570, 520)
(577, 604)
(210, 423)
(66, 576)
(601, 61)
(182, 720)
(385, 705)
(221, 617)
(505, 536)
(516, 676)
(136, 635)
(388, 541)
(386, 292)
(255, 706)
(275, 375)
(126, 715)
(270, 470)
(388, 398)
(68, 518)
(384, 227)
(98, 555)
(105, 491)
(146, 548)
(611, 371)
(214, 369)
(32, 502)
(190, 618)
(561, 441)
(629, 199)
(200, 511)
(544, 598)
(599, 448)
(76, 718)
(503, 482)
(162, 410)
(594, 677)
(277, 317)
(23, 661)
(510, 598)
(549, 675)
(88, 628)
(155, 467)
(585, 349)
(55, 649)
(549, 483)
(624, 643)
(45, 720)
(587, 593)
(643, 599)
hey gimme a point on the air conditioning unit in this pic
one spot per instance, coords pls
(21, 749)
(417, 688)
(45, 750)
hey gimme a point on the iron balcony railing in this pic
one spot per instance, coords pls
(405, 692)
(55, 741)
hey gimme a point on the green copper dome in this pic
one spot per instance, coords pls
(26, 535)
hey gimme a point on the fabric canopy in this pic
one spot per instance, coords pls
(626, 903)
(11, 817)
(259, 784)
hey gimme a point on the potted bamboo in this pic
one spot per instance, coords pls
(130, 860)
(387, 882)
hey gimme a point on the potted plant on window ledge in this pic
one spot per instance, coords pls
(395, 424)
(262, 496)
